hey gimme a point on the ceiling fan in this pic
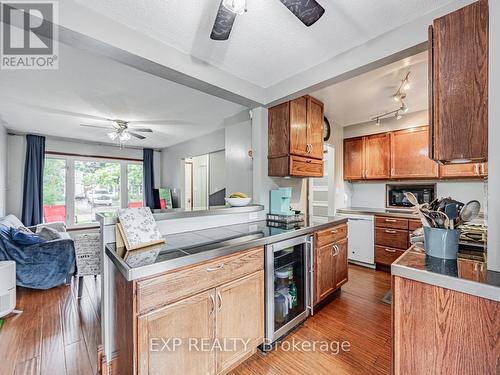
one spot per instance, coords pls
(307, 11)
(120, 130)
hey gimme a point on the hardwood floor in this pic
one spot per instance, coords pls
(58, 334)
(358, 316)
(55, 334)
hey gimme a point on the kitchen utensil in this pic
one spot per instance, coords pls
(440, 218)
(470, 211)
(414, 201)
(441, 243)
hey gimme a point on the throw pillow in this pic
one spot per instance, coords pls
(22, 228)
(25, 239)
(49, 234)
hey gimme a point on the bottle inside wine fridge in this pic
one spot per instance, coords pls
(288, 286)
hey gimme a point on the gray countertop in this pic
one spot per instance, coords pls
(188, 248)
(402, 213)
(414, 264)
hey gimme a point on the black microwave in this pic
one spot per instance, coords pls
(396, 194)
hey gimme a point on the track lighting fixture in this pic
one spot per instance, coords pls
(399, 97)
(377, 122)
(404, 107)
(398, 115)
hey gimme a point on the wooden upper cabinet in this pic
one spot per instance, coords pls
(296, 130)
(315, 127)
(463, 170)
(377, 156)
(409, 154)
(458, 84)
(279, 130)
(298, 127)
(353, 159)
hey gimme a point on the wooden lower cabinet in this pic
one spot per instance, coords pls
(240, 314)
(392, 235)
(212, 319)
(190, 318)
(330, 268)
(441, 331)
(472, 170)
(341, 265)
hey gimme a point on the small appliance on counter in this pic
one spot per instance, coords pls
(280, 202)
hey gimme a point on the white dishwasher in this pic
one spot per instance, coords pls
(361, 244)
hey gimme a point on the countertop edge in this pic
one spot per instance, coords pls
(132, 274)
(376, 212)
(448, 282)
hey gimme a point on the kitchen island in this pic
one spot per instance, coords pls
(446, 315)
(171, 305)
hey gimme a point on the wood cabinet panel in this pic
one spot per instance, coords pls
(193, 317)
(414, 224)
(395, 238)
(305, 167)
(330, 235)
(172, 286)
(446, 332)
(315, 127)
(279, 130)
(471, 270)
(391, 222)
(353, 159)
(459, 126)
(240, 314)
(409, 154)
(387, 255)
(341, 264)
(324, 272)
(463, 170)
(377, 150)
(298, 126)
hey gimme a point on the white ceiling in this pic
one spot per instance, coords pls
(361, 98)
(268, 44)
(57, 102)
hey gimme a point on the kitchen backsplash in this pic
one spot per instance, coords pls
(373, 194)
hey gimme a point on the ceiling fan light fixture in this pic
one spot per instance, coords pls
(124, 137)
(112, 135)
(235, 6)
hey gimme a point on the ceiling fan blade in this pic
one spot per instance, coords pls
(96, 126)
(136, 135)
(160, 122)
(308, 11)
(223, 23)
(142, 130)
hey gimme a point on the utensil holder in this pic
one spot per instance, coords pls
(441, 243)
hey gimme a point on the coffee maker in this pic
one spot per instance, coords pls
(280, 201)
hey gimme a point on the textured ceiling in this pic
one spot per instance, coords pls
(361, 98)
(267, 44)
(57, 102)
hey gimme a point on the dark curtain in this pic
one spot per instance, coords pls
(33, 181)
(149, 178)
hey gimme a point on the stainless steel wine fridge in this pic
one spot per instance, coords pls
(289, 286)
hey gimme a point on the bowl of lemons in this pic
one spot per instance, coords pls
(238, 200)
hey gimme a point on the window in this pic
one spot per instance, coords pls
(77, 188)
(97, 189)
(54, 190)
(135, 189)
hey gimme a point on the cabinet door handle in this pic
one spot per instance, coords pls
(390, 251)
(483, 170)
(476, 169)
(219, 267)
(336, 250)
(390, 220)
(212, 298)
(311, 148)
(334, 231)
(219, 297)
(390, 231)
(308, 161)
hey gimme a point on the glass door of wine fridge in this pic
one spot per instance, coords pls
(288, 286)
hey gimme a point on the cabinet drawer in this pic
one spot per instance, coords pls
(167, 288)
(330, 235)
(391, 222)
(387, 255)
(414, 224)
(300, 166)
(395, 238)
